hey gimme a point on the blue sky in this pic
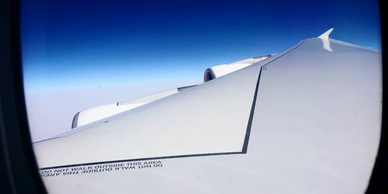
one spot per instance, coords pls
(67, 43)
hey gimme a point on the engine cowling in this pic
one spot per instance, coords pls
(101, 112)
(221, 70)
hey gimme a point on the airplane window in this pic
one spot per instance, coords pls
(107, 116)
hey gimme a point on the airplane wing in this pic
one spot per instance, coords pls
(306, 120)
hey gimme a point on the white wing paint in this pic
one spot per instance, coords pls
(306, 120)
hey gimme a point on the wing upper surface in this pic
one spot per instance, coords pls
(318, 114)
(309, 119)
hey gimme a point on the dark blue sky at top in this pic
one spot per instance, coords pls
(81, 43)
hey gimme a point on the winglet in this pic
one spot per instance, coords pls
(325, 36)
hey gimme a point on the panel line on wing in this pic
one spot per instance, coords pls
(251, 116)
(248, 132)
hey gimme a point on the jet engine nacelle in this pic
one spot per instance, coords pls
(221, 70)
